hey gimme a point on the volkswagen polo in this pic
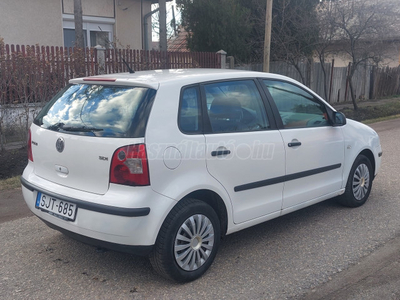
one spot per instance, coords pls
(164, 163)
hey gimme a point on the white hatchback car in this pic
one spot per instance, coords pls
(164, 163)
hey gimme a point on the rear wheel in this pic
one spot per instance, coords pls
(359, 183)
(187, 242)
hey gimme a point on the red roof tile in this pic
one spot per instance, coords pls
(178, 43)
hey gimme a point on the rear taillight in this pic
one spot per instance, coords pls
(129, 166)
(30, 156)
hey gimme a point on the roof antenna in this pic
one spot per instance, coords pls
(131, 71)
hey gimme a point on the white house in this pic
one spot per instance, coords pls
(51, 22)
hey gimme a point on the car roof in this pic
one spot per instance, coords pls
(155, 78)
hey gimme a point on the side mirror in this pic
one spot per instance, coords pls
(339, 119)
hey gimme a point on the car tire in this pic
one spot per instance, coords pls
(359, 183)
(187, 242)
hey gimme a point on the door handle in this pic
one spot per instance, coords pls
(220, 152)
(294, 144)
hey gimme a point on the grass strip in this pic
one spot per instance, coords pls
(377, 112)
(10, 183)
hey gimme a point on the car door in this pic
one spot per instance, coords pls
(314, 148)
(244, 151)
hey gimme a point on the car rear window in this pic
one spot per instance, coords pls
(98, 110)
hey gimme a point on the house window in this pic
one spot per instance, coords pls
(96, 31)
(70, 37)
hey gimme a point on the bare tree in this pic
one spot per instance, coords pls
(171, 22)
(2, 94)
(79, 53)
(294, 34)
(360, 28)
(78, 23)
(163, 24)
(328, 35)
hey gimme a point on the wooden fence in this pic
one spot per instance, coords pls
(140, 60)
(30, 74)
(386, 82)
(33, 73)
(368, 82)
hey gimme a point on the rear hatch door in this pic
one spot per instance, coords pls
(76, 134)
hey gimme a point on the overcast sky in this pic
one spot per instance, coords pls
(169, 17)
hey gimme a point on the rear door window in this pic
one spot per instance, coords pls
(235, 106)
(98, 110)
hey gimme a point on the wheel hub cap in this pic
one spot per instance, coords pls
(361, 182)
(194, 242)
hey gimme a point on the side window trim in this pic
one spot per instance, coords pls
(271, 102)
(200, 117)
(269, 108)
(203, 100)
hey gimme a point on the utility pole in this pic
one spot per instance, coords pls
(163, 25)
(267, 39)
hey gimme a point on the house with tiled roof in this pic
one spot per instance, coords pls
(178, 43)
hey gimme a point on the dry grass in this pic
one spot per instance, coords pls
(374, 111)
(370, 121)
(10, 183)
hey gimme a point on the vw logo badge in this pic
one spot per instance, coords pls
(60, 144)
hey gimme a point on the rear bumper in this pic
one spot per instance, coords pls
(136, 250)
(126, 218)
(106, 209)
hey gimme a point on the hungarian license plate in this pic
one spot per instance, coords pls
(59, 208)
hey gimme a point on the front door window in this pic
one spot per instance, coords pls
(297, 108)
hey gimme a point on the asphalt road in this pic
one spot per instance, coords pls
(322, 252)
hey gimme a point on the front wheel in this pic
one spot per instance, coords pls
(359, 183)
(187, 242)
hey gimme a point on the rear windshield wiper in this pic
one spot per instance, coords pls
(81, 129)
(56, 127)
